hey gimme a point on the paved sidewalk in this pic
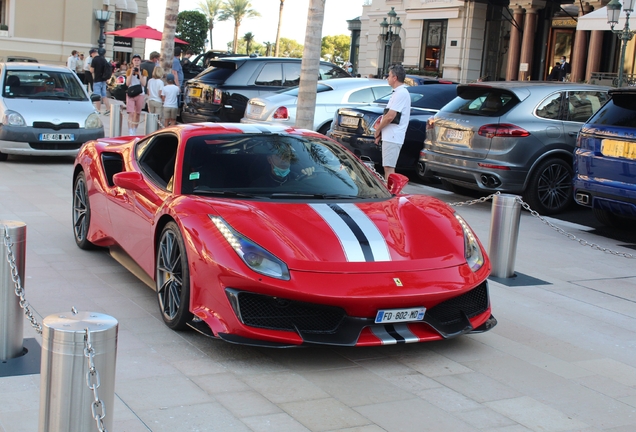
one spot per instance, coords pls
(562, 358)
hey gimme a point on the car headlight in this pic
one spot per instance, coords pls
(12, 118)
(254, 256)
(472, 251)
(93, 121)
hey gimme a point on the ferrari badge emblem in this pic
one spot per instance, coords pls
(397, 281)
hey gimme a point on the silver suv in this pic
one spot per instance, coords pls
(515, 137)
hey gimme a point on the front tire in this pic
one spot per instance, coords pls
(81, 213)
(172, 278)
(550, 188)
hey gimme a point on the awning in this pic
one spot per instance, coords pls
(597, 20)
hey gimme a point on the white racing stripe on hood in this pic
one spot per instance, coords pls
(350, 244)
(376, 240)
(361, 240)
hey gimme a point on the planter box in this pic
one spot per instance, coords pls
(4, 33)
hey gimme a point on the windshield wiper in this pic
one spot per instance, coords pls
(310, 195)
(52, 96)
(222, 193)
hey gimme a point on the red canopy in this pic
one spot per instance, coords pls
(143, 32)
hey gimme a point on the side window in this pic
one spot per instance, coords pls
(382, 91)
(362, 96)
(550, 108)
(327, 72)
(291, 72)
(582, 104)
(271, 75)
(157, 157)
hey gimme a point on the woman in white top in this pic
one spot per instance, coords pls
(155, 85)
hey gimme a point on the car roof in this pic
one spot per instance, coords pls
(194, 129)
(352, 82)
(33, 66)
(523, 89)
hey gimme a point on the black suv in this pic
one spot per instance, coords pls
(220, 93)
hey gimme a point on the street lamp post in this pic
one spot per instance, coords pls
(102, 16)
(388, 28)
(625, 35)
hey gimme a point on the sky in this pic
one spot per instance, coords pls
(294, 22)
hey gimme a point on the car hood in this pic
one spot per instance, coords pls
(54, 111)
(404, 233)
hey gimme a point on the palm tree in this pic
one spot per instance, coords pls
(169, 28)
(238, 10)
(309, 69)
(248, 38)
(280, 20)
(268, 49)
(211, 9)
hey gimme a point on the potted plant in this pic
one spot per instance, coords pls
(4, 30)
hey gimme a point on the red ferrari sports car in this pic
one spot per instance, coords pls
(279, 237)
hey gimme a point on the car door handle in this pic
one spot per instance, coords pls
(573, 134)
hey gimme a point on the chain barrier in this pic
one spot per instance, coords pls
(558, 229)
(92, 381)
(92, 376)
(19, 290)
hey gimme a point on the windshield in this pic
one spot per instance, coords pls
(38, 84)
(274, 166)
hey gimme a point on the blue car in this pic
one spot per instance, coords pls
(605, 160)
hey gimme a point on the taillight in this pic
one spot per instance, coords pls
(217, 96)
(281, 113)
(430, 124)
(504, 130)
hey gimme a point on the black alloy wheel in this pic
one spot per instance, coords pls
(550, 187)
(81, 213)
(173, 278)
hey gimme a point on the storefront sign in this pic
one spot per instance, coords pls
(563, 22)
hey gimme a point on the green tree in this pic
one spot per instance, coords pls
(192, 27)
(268, 49)
(237, 10)
(336, 46)
(210, 9)
(290, 48)
(306, 107)
(241, 48)
(249, 39)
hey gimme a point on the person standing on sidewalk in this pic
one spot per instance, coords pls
(79, 67)
(135, 95)
(391, 128)
(102, 71)
(88, 76)
(155, 86)
(71, 61)
(170, 96)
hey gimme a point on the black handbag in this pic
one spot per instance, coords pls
(396, 119)
(135, 90)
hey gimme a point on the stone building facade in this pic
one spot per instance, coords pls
(49, 30)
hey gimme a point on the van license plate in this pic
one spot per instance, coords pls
(57, 137)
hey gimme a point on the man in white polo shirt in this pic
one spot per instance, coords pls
(393, 124)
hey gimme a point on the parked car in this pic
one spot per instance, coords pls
(45, 111)
(21, 59)
(415, 80)
(220, 93)
(515, 137)
(328, 254)
(200, 63)
(605, 160)
(353, 127)
(332, 94)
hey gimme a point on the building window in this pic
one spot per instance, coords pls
(433, 41)
(4, 16)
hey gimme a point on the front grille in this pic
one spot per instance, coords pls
(281, 314)
(57, 127)
(471, 303)
(54, 146)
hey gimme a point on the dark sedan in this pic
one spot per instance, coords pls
(353, 127)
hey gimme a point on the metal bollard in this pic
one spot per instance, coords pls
(504, 232)
(115, 120)
(66, 401)
(151, 123)
(11, 315)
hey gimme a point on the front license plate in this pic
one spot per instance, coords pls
(194, 92)
(620, 149)
(57, 137)
(349, 121)
(399, 315)
(454, 134)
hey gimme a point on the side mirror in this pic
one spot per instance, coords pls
(130, 180)
(396, 183)
(95, 97)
